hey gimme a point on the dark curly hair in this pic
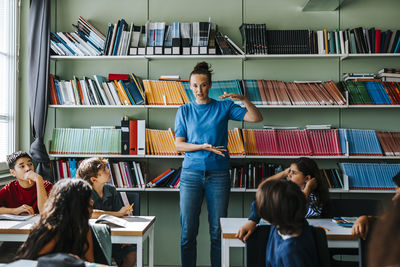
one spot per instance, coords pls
(309, 167)
(12, 158)
(65, 219)
(202, 68)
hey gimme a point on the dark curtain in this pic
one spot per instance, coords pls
(39, 39)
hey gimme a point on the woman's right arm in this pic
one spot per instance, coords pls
(183, 146)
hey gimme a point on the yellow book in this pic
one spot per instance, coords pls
(326, 41)
(172, 134)
(148, 92)
(182, 92)
(157, 94)
(171, 93)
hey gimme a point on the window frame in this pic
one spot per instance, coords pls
(12, 115)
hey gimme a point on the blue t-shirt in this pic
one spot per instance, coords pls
(206, 123)
(297, 251)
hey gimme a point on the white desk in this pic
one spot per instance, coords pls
(337, 236)
(138, 229)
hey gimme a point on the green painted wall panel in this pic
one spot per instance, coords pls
(229, 15)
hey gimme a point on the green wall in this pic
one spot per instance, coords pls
(229, 15)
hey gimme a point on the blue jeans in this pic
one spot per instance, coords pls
(194, 184)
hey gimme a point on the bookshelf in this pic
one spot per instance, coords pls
(229, 15)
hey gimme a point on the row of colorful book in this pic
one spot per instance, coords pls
(153, 38)
(257, 39)
(256, 142)
(376, 176)
(119, 89)
(250, 175)
(124, 174)
(372, 92)
(333, 177)
(123, 89)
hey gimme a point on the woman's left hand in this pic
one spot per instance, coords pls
(232, 96)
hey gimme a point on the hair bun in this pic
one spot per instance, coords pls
(201, 66)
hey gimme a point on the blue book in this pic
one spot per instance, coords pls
(84, 37)
(164, 177)
(124, 86)
(72, 167)
(396, 50)
(121, 27)
(134, 93)
(60, 100)
(63, 43)
(178, 174)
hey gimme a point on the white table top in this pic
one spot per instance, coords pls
(230, 227)
(137, 226)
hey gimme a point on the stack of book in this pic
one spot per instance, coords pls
(169, 178)
(390, 143)
(333, 177)
(258, 40)
(370, 175)
(389, 75)
(160, 142)
(127, 174)
(235, 142)
(85, 41)
(374, 92)
(119, 89)
(360, 142)
(98, 140)
(252, 174)
(292, 142)
(165, 93)
(153, 38)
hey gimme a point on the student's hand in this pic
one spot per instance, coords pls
(246, 230)
(215, 149)
(360, 227)
(23, 209)
(32, 176)
(286, 172)
(124, 210)
(397, 195)
(311, 185)
(233, 96)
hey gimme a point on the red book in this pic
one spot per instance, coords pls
(68, 170)
(80, 92)
(60, 167)
(124, 77)
(133, 137)
(53, 91)
(377, 41)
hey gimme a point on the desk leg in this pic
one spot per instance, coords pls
(139, 253)
(224, 252)
(151, 248)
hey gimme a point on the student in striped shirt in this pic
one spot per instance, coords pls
(305, 173)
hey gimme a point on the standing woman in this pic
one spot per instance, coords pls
(201, 130)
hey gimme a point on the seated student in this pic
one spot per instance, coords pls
(362, 224)
(64, 223)
(106, 201)
(384, 249)
(304, 172)
(26, 194)
(291, 241)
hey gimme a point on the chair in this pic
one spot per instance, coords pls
(352, 208)
(256, 246)
(134, 197)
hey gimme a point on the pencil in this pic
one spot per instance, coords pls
(131, 206)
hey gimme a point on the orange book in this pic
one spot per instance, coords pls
(240, 139)
(326, 42)
(148, 92)
(160, 176)
(53, 91)
(182, 92)
(124, 99)
(80, 91)
(172, 134)
(147, 142)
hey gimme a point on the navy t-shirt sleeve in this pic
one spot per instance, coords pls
(236, 112)
(117, 202)
(254, 215)
(180, 125)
